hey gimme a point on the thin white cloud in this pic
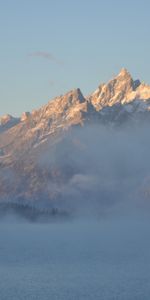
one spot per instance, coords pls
(46, 55)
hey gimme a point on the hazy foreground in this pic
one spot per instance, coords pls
(90, 259)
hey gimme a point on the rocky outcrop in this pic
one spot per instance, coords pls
(7, 121)
(122, 89)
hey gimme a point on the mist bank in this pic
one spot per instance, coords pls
(91, 170)
(105, 259)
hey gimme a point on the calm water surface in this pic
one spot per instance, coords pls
(89, 260)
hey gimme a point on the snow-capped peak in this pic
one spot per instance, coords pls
(121, 89)
(124, 73)
(24, 140)
(5, 119)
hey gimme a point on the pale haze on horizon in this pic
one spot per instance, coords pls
(48, 48)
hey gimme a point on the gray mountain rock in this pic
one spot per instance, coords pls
(39, 151)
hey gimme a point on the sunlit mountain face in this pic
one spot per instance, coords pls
(77, 153)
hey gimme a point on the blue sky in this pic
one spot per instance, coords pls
(49, 47)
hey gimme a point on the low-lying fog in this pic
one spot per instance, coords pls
(104, 251)
(83, 259)
(106, 169)
(89, 170)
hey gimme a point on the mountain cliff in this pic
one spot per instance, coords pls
(42, 151)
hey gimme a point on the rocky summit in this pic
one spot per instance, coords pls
(38, 150)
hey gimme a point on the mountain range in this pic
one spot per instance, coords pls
(46, 150)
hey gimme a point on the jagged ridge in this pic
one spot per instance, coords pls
(24, 140)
